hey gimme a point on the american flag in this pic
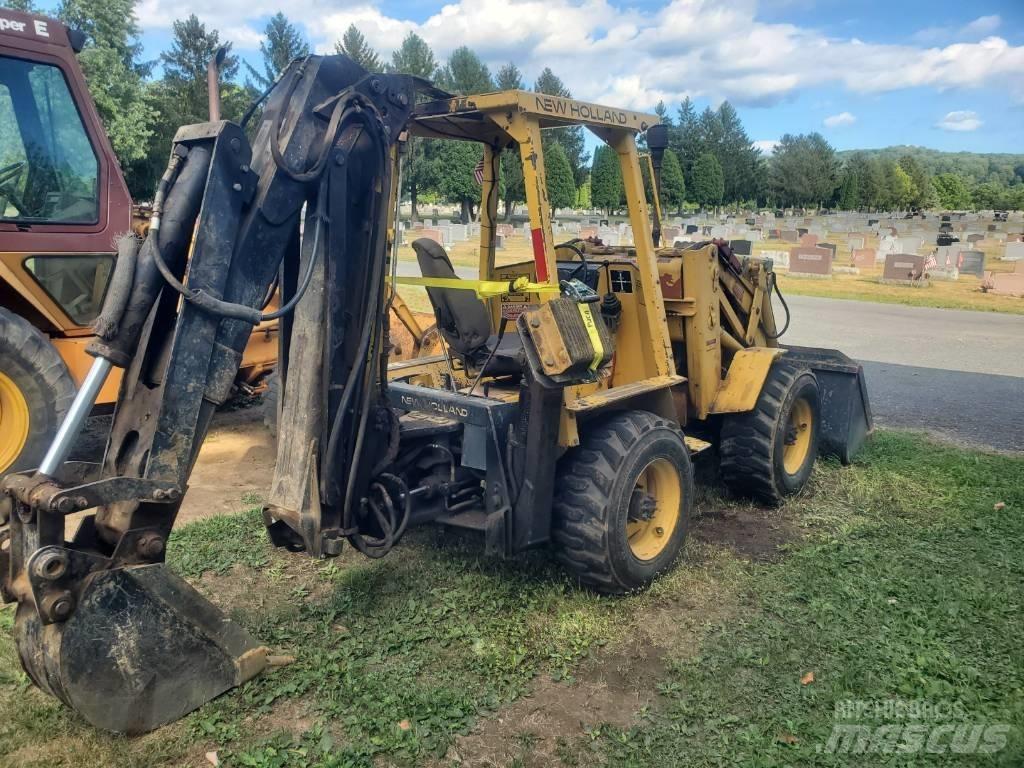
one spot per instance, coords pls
(930, 261)
(949, 263)
(478, 172)
(960, 260)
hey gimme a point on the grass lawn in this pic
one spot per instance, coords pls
(899, 578)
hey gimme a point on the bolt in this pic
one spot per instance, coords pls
(50, 565)
(403, 99)
(159, 494)
(549, 361)
(59, 605)
(237, 187)
(65, 505)
(377, 86)
(244, 168)
(236, 145)
(173, 494)
(339, 158)
(535, 323)
(81, 502)
(150, 546)
(659, 531)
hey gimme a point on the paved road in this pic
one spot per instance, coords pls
(957, 373)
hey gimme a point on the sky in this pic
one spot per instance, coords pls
(874, 73)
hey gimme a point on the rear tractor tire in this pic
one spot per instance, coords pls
(36, 391)
(768, 453)
(623, 502)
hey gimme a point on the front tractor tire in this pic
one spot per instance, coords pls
(623, 502)
(768, 453)
(36, 391)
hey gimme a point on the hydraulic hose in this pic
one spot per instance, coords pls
(785, 306)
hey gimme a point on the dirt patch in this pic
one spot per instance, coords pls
(751, 533)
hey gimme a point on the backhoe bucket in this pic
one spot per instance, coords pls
(843, 393)
(141, 649)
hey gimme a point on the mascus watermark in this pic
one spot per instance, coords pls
(911, 726)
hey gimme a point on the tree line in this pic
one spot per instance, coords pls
(711, 160)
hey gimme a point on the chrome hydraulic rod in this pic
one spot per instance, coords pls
(72, 424)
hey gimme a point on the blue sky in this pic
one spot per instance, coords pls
(942, 74)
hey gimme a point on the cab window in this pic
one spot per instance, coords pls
(49, 173)
(77, 283)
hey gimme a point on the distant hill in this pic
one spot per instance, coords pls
(1001, 168)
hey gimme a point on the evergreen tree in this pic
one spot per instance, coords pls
(465, 73)
(606, 190)
(560, 185)
(673, 184)
(662, 112)
(685, 139)
(509, 78)
(570, 138)
(736, 154)
(353, 44)
(849, 190)
(107, 23)
(456, 161)
(414, 57)
(706, 183)
(283, 43)
(804, 170)
(919, 178)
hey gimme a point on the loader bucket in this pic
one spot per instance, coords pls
(141, 649)
(845, 410)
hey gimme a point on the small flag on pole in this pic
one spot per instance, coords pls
(478, 172)
(960, 260)
(930, 261)
(949, 263)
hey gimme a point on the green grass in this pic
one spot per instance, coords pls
(906, 582)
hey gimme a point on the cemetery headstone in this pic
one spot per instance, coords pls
(1013, 252)
(814, 261)
(740, 247)
(903, 267)
(972, 263)
(863, 257)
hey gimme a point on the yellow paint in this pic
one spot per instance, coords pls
(798, 436)
(746, 376)
(482, 288)
(14, 421)
(660, 482)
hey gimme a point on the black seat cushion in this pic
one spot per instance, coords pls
(462, 318)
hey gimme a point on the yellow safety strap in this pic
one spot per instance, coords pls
(484, 289)
(587, 313)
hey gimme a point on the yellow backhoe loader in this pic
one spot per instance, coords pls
(570, 393)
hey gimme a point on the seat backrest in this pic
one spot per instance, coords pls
(462, 318)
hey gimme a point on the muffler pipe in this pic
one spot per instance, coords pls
(71, 427)
(213, 82)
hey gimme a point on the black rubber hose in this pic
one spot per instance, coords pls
(120, 287)
(785, 306)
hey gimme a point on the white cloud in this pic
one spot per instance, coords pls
(767, 146)
(838, 121)
(608, 50)
(960, 120)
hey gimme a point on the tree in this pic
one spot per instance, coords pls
(509, 78)
(685, 140)
(570, 138)
(804, 170)
(952, 191)
(456, 161)
(353, 44)
(849, 190)
(662, 112)
(706, 183)
(606, 190)
(558, 174)
(114, 75)
(20, 5)
(465, 73)
(919, 178)
(283, 43)
(414, 57)
(901, 188)
(735, 153)
(673, 184)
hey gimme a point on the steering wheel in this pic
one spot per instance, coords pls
(571, 245)
(10, 172)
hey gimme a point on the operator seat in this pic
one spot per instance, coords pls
(463, 319)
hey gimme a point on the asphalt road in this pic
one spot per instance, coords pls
(955, 373)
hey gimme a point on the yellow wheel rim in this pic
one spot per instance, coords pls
(14, 422)
(797, 440)
(654, 509)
